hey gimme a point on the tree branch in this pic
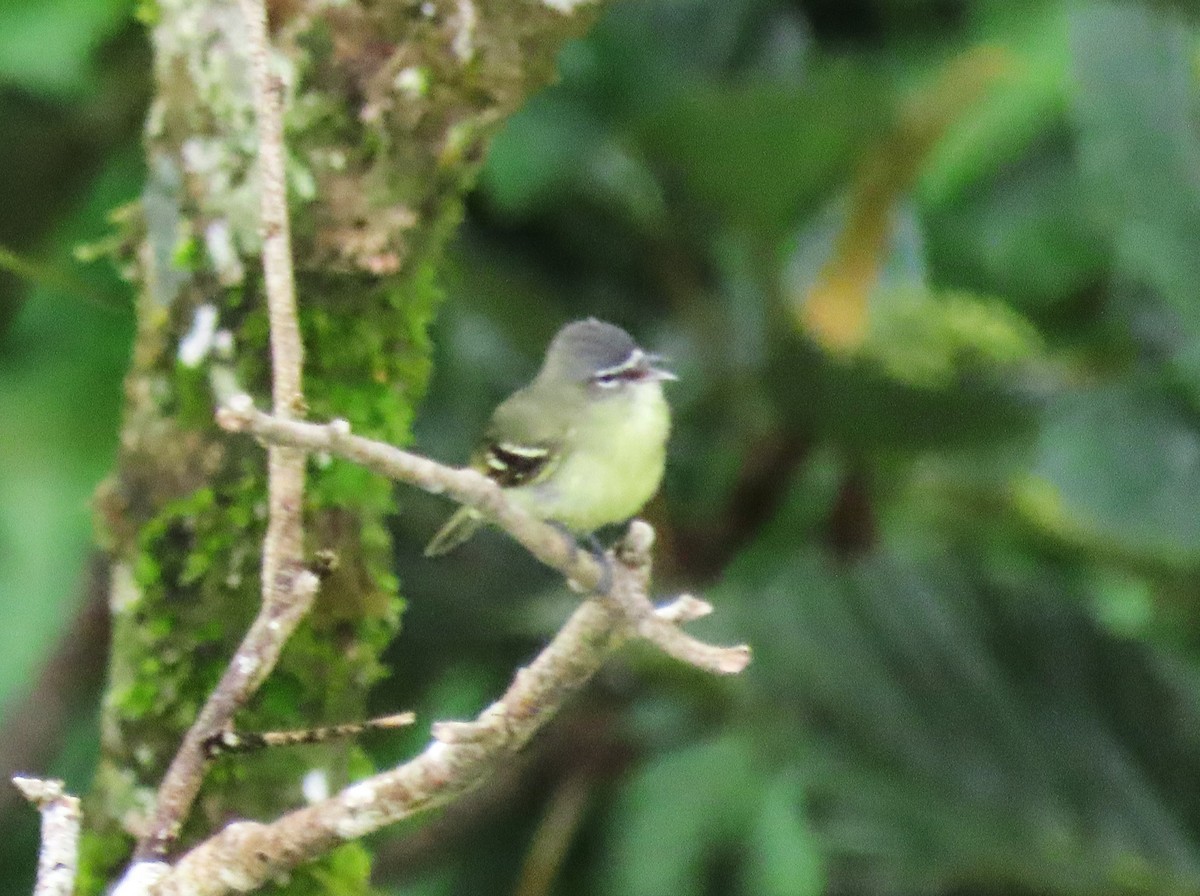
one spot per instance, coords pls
(246, 855)
(61, 817)
(284, 544)
(541, 539)
(465, 486)
(288, 589)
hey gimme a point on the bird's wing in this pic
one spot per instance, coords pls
(520, 446)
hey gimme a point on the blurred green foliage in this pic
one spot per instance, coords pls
(962, 537)
(64, 327)
(72, 92)
(960, 529)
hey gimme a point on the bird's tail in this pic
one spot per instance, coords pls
(464, 523)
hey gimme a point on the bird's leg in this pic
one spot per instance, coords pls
(598, 551)
(594, 547)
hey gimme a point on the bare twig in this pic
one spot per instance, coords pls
(287, 588)
(467, 486)
(61, 818)
(255, 658)
(283, 548)
(463, 754)
(247, 742)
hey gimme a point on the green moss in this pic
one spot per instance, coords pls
(188, 254)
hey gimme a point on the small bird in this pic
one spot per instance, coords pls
(584, 444)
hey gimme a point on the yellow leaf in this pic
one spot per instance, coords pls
(834, 311)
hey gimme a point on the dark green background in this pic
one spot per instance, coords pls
(967, 557)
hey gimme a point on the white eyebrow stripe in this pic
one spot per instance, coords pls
(635, 358)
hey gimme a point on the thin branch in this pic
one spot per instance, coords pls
(61, 817)
(465, 486)
(462, 755)
(541, 539)
(288, 589)
(255, 658)
(246, 855)
(283, 549)
(248, 742)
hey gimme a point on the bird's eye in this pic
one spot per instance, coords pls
(608, 380)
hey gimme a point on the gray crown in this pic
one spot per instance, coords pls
(585, 347)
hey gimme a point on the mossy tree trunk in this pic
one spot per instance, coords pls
(389, 106)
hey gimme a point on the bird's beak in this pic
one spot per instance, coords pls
(652, 371)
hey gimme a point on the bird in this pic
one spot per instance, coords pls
(583, 445)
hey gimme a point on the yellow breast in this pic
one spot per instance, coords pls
(615, 474)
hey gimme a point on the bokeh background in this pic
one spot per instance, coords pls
(928, 271)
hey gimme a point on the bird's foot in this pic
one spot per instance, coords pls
(592, 545)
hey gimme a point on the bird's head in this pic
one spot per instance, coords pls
(601, 357)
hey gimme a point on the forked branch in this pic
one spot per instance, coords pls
(467, 486)
(461, 755)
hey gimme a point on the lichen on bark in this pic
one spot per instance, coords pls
(389, 106)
